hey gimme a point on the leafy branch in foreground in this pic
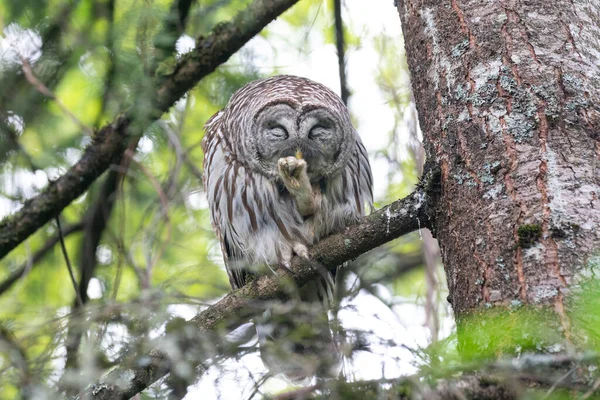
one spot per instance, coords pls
(110, 141)
(139, 371)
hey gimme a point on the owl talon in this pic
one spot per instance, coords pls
(301, 250)
(293, 174)
(285, 266)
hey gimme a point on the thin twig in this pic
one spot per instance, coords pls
(37, 256)
(66, 256)
(341, 49)
(559, 381)
(119, 240)
(43, 89)
(164, 201)
(13, 83)
(258, 384)
(16, 355)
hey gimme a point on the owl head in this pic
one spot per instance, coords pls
(285, 116)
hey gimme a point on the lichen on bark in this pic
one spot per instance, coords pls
(508, 98)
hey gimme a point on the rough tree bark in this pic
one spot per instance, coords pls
(508, 95)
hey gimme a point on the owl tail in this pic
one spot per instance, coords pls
(295, 338)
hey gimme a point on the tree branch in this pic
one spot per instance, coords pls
(110, 142)
(341, 49)
(399, 218)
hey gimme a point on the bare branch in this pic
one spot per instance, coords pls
(67, 260)
(110, 142)
(43, 89)
(394, 220)
(17, 356)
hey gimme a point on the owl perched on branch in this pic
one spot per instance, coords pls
(284, 168)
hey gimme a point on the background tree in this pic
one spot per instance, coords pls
(106, 281)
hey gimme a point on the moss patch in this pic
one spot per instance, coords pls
(529, 234)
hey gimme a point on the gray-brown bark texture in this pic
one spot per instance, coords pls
(508, 94)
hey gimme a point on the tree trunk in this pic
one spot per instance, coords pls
(508, 95)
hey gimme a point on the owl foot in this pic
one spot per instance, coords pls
(292, 171)
(287, 268)
(297, 249)
(301, 250)
(295, 178)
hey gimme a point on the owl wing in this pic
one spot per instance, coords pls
(246, 209)
(217, 175)
(361, 171)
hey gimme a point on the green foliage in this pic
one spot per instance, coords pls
(583, 308)
(500, 332)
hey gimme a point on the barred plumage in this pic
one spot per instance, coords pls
(267, 205)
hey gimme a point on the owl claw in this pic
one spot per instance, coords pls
(301, 250)
(297, 248)
(287, 268)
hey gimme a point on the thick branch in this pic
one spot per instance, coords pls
(397, 219)
(110, 142)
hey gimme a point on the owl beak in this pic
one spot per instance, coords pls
(299, 154)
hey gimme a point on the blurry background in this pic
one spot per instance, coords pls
(140, 241)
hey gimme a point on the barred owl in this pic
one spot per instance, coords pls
(283, 168)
